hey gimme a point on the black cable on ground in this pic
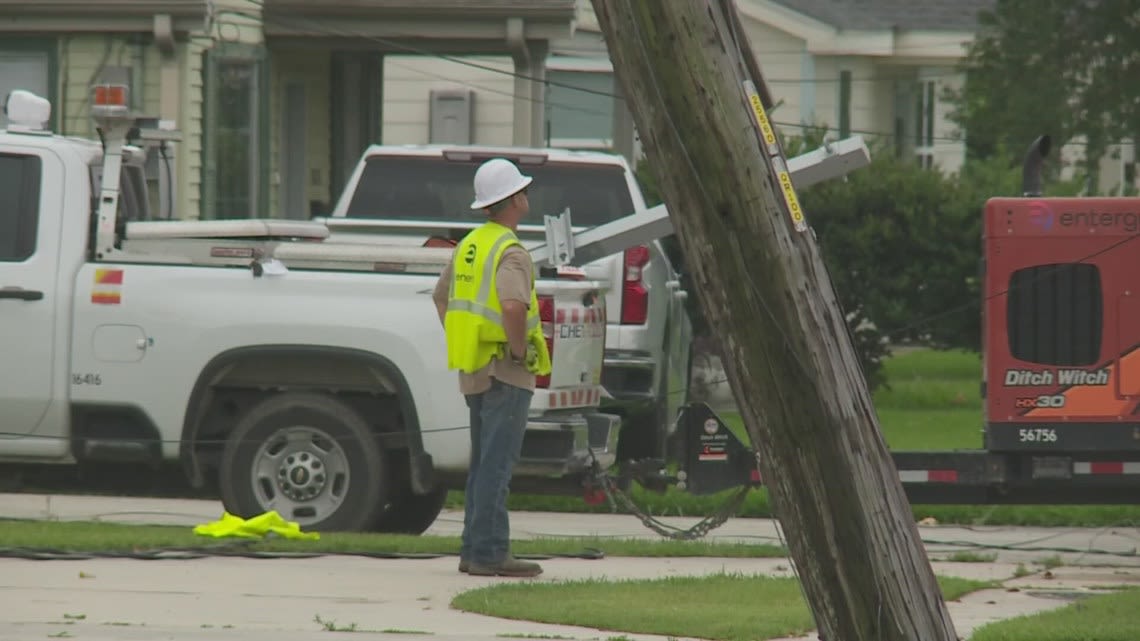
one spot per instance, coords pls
(241, 550)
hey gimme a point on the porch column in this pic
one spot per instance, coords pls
(530, 97)
(538, 55)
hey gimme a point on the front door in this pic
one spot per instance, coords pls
(28, 294)
(294, 153)
(356, 113)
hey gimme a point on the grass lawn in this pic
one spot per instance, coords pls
(1111, 617)
(111, 537)
(933, 403)
(732, 607)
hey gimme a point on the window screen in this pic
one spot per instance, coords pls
(19, 206)
(581, 105)
(438, 189)
(1056, 314)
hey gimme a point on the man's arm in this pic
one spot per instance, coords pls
(513, 284)
(439, 294)
(514, 321)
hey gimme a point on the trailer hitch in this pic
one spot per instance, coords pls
(709, 459)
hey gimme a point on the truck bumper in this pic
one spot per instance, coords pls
(561, 445)
(629, 376)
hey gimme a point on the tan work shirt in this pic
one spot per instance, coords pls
(512, 282)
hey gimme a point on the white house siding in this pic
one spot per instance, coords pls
(190, 151)
(863, 92)
(1116, 176)
(409, 81)
(83, 57)
(1116, 168)
(782, 60)
(948, 152)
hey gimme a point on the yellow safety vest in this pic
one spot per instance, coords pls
(474, 320)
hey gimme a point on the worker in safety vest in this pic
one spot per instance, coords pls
(489, 309)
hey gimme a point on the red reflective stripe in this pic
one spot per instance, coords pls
(560, 316)
(574, 315)
(109, 276)
(942, 476)
(1107, 467)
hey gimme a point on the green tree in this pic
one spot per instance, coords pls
(1062, 67)
(902, 244)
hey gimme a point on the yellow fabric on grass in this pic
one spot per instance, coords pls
(254, 528)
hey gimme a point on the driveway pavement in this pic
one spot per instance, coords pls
(395, 599)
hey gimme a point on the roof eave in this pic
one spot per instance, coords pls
(823, 39)
(354, 9)
(103, 8)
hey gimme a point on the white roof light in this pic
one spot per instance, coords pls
(25, 110)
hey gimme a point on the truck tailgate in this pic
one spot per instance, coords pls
(574, 321)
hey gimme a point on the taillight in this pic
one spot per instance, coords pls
(546, 315)
(635, 298)
(440, 241)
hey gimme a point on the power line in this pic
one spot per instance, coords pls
(423, 52)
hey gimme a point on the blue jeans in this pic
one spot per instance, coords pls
(498, 421)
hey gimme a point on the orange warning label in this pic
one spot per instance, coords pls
(107, 288)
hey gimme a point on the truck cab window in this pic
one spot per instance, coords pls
(438, 189)
(19, 206)
(1055, 314)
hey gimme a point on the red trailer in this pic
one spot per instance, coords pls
(1061, 362)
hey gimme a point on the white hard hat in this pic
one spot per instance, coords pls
(495, 180)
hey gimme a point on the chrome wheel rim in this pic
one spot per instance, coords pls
(302, 473)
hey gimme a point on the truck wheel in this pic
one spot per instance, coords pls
(410, 513)
(310, 457)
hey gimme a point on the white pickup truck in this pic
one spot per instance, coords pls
(402, 194)
(297, 376)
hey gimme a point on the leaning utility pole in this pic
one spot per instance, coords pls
(683, 67)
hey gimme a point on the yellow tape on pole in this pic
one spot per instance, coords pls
(768, 136)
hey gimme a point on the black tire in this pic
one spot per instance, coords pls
(329, 476)
(411, 513)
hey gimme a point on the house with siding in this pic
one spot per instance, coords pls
(275, 99)
(873, 67)
(878, 68)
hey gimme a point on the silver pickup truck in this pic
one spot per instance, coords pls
(408, 194)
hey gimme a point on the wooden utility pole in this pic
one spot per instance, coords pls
(769, 301)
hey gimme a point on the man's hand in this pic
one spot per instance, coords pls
(514, 322)
(441, 309)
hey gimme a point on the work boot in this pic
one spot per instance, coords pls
(509, 567)
(464, 565)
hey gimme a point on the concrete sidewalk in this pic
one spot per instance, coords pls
(281, 599)
(1115, 546)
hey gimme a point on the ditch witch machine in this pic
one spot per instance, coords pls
(1061, 365)
(1060, 308)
